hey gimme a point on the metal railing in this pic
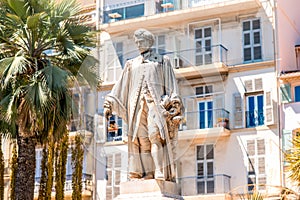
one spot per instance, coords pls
(87, 182)
(255, 118)
(195, 3)
(203, 119)
(198, 56)
(211, 184)
(77, 124)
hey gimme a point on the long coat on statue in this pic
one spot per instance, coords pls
(154, 70)
(155, 73)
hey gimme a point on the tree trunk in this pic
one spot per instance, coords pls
(26, 168)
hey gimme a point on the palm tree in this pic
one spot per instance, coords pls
(292, 157)
(43, 50)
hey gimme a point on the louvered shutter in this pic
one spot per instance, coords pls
(285, 92)
(269, 116)
(248, 85)
(191, 114)
(258, 84)
(238, 111)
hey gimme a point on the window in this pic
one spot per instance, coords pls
(252, 40)
(113, 175)
(205, 169)
(256, 164)
(119, 51)
(205, 114)
(204, 90)
(160, 44)
(255, 110)
(114, 129)
(203, 52)
(297, 93)
(124, 13)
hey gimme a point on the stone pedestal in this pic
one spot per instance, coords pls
(149, 189)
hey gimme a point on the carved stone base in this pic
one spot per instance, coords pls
(149, 189)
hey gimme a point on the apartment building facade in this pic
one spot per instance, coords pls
(224, 59)
(237, 64)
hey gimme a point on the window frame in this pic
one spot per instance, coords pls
(206, 177)
(252, 45)
(256, 158)
(204, 50)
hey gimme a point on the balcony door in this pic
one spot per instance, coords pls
(205, 114)
(203, 51)
(255, 113)
(205, 169)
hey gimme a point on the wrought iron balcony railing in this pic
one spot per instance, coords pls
(211, 184)
(198, 56)
(203, 119)
(255, 118)
(87, 182)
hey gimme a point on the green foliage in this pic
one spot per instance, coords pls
(43, 51)
(13, 167)
(77, 163)
(293, 158)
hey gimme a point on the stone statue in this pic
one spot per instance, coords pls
(146, 98)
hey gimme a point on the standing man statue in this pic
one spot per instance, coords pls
(146, 98)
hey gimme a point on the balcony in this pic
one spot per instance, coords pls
(205, 185)
(87, 183)
(77, 124)
(193, 10)
(205, 123)
(254, 118)
(199, 62)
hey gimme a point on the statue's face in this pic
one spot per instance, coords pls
(143, 44)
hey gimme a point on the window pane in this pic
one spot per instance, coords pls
(208, 89)
(208, 58)
(198, 33)
(210, 169)
(200, 152)
(210, 186)
(200, 169)
(297, 94)
(260, 102)
(257, 53)
(198, 46)
(256, 24)
(207, 45)
(134, 11)
(247, 39)
(256, 37)
(210, 151)
(199, 90)
(199, 60)
(207, 32)
(247, 54)
(200, 187)
(246, 26)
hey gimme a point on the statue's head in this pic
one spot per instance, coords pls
(144, 39)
